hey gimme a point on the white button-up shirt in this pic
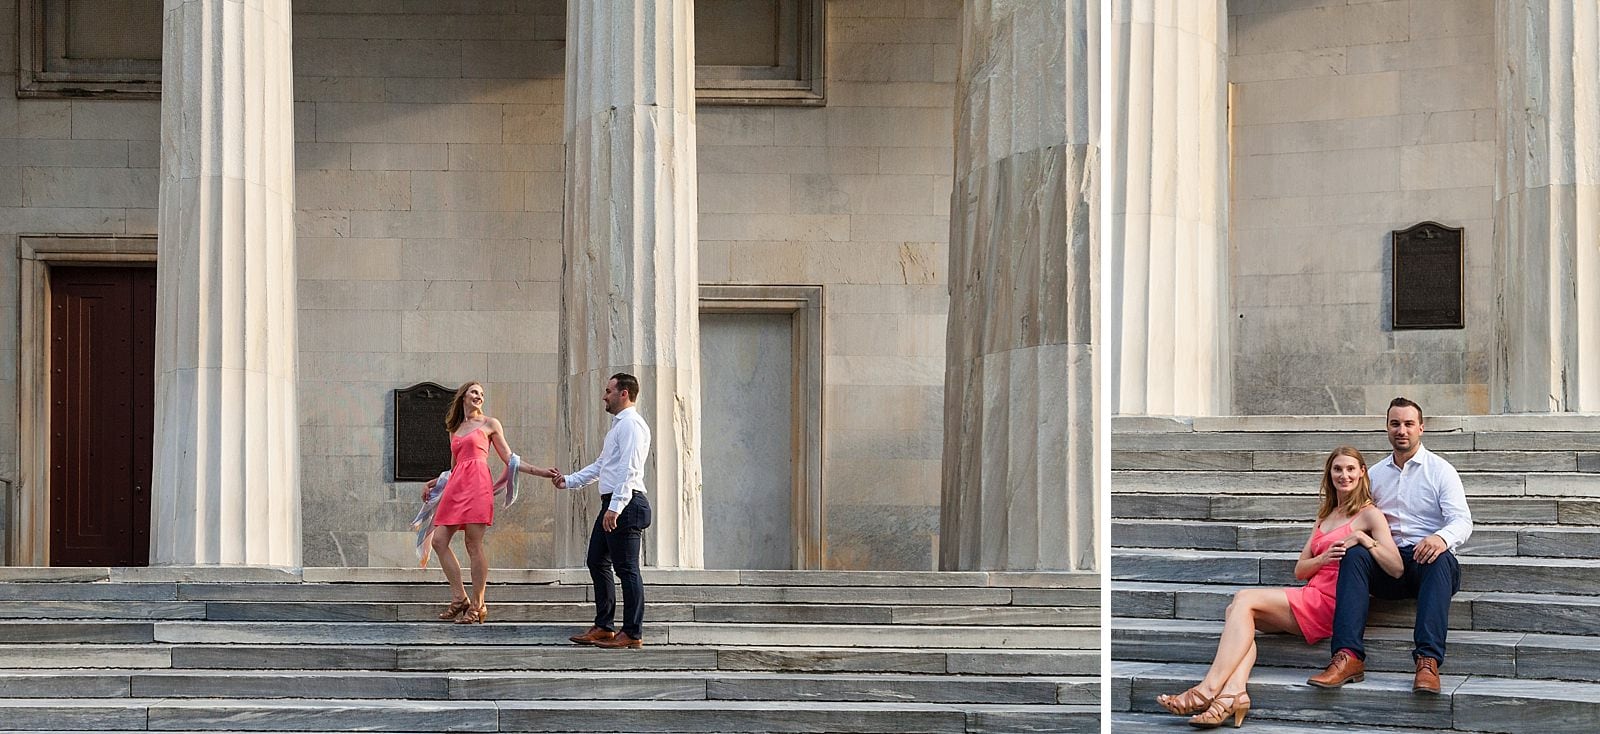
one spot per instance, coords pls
(1423, 498)
(620, 467)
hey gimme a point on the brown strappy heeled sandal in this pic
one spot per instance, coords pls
(455, 609)
(1236, 706)
(1185, 703)
(474, 615)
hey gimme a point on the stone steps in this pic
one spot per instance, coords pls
(197, 649)
(1252, 568)
(1526, 541)
(512, 657)
(1499, 654)
(539, 716)
(527, 633)
(1301, 507)
(864, 614)
(550, 685)
(1469, 610)
(1204, 507)
(1467, 703)
(1165, 722)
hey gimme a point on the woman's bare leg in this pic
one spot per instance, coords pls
(479, 554)
(447, 561)
(1241, 674)
(1266, 610)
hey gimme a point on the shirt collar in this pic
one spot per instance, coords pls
(1422, 452)
(619, 414)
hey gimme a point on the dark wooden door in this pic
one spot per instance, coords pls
(102, 395)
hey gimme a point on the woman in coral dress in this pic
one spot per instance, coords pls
(468, 500)
(1345, 518)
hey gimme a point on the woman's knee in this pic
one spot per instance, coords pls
(440, 541)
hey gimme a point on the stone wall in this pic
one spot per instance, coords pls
(856, 196)
(1348, 121)
(67, 166)
(429, 189)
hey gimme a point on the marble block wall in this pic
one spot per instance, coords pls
(1349, 120)
(856, 196)
(429, 186)
(67, 166)
(429, 172)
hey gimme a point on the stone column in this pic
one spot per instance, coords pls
(227, 466)
(1547, 206)
(1166, 166)
(630, 280)
(1020, 432)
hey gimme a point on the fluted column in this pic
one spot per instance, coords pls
(227, 467)
(1020, 432)
(1166, 165)
(1547, 206)
(630, 278)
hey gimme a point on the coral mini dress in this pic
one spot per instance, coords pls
(469, 495)
(1312, 604)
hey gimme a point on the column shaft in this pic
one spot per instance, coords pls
(1020, 432)
(1547, 206)
(1166, 214)
(227, 475)
(630, 281)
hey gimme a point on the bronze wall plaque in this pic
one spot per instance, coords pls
(1428, 272)
(421, 443)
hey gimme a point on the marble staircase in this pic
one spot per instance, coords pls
(1203, 507)
(726, 652)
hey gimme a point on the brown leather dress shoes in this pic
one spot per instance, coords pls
(1427, 680)
(622, 640)
(1344, 668)
(595, 635)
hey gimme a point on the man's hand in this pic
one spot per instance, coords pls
(609, 522)
(1429, 549)
(558, 480)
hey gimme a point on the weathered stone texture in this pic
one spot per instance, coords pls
(1547, 207)
(1020, 429)
(1349, 121)
(630, 280)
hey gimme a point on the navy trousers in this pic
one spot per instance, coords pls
(620, 549)
(1431, 584)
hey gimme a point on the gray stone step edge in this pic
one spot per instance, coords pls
(1467, 703)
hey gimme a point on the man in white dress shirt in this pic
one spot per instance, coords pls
(1422, 497)
(624, 514)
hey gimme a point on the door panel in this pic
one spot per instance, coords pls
(747, 440)
(102, 396)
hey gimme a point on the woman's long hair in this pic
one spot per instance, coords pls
(457, 414)
(1360, 495)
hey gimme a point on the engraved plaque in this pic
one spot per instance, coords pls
(421, 443)
(1427, 277)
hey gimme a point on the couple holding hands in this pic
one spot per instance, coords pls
(1389, 532)
(466, 503)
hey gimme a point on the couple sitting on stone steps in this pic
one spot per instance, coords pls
(1391, 535)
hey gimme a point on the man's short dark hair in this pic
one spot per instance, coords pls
(1405, 403)
(629, 384)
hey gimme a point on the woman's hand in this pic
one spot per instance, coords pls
(1359, 537)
